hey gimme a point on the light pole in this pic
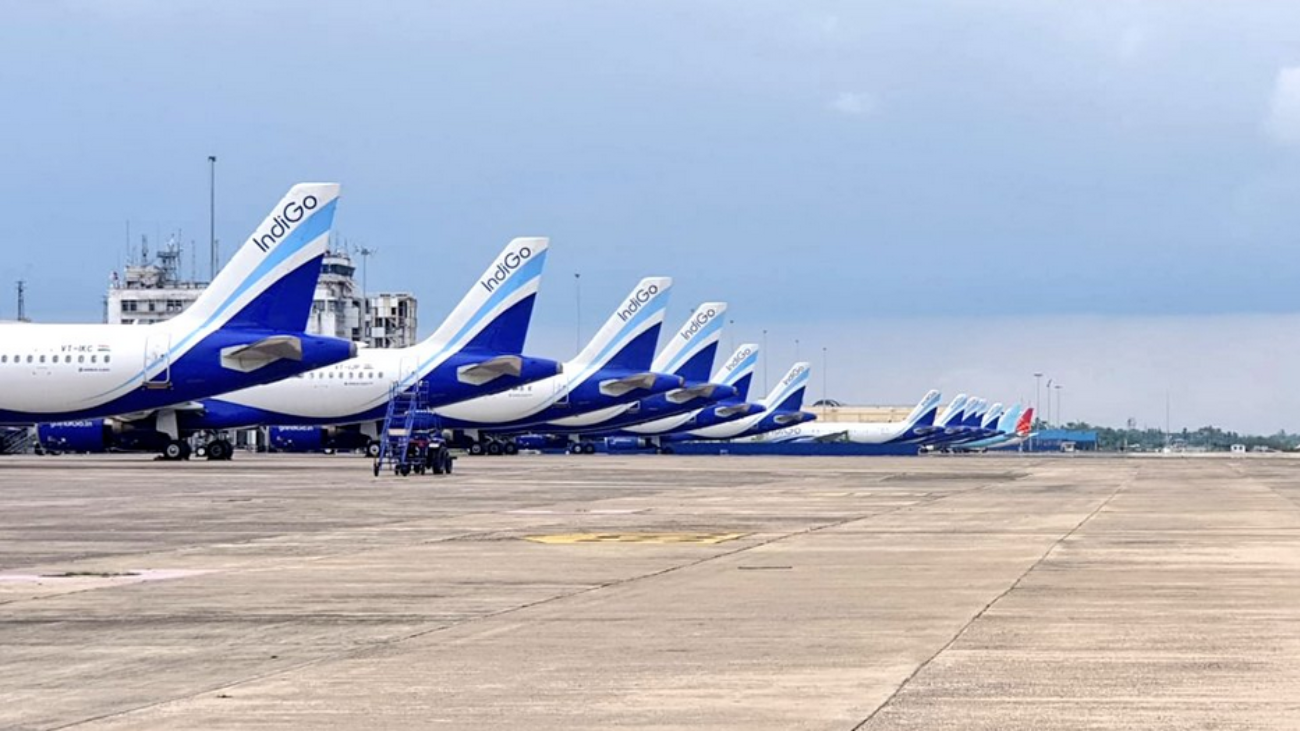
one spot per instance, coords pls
(824, 371)
(365, 253)
(731, 328)
(796, 349)
(765, 358)
(1038, 403)
(577, 286)
(212, 217)
(1060, 421)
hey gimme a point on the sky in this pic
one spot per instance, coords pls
(949, 194)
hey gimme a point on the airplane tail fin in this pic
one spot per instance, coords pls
(271, 280)
(787, 395)
(1009, 418)
(990, 418)
(925, 409)
(974, 408)
(691, 350)
(1026, 423)
(738, 371)
(952, 416)
(495, 313)
(628, 337)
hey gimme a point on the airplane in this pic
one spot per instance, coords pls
(1024, 431)
(1015, 428)
(689, 353)
(737, 372)
(612, 369)
(999, 428)
(901, 433)
(476, 351)
(246, 328)
(782, 408)
(947, 428)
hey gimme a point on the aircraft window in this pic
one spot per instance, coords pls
(4, 359)
(94, 359)
(81, 359)
(29, 359)
(106, 359)
(331, 374)
(67, 359)
(42, 359)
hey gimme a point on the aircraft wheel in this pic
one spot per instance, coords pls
(175, 451)
(494, 448)
(588, 448)
(372, 449)
(575, 448)
(665, 450)
(404, 470)
(476, 448)
(219, 450)
(447, 462)
(376, 468)
(510, 448)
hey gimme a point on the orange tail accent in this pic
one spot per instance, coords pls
(1026, 423)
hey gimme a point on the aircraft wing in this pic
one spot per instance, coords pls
(246, 358)
(839, 436)
(138, 415)
(477, 374)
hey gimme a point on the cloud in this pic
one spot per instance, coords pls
(1283, 123)
(853, 104)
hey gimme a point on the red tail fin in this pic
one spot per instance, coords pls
(1026, 423)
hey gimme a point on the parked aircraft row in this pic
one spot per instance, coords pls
(967, 425)
(240, 357)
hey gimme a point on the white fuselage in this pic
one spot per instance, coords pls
(350, 389)
(59, 369)
(856, 432)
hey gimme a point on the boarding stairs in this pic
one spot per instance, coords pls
(399, 423)
(19, 440)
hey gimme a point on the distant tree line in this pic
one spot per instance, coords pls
(1208, 437)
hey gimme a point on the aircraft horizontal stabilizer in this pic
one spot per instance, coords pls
(247, 358)
(787, 419)
(730, 411)
(683, 395)
(477, 374)
(620, 386)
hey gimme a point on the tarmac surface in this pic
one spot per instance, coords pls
(597, 592)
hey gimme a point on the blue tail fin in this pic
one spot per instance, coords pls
(495, 313)
(627, 339)
(787, 395)
(271, 281)
(691, 349)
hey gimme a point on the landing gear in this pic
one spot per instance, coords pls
(176, 450)
(510, 448)
(582, 448)
(219, 450)
(494, 448)
(665, 450)
(476, 448)
(372, 449)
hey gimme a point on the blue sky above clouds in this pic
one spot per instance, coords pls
(825, 167)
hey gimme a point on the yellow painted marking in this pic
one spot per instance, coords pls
(569, 538)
